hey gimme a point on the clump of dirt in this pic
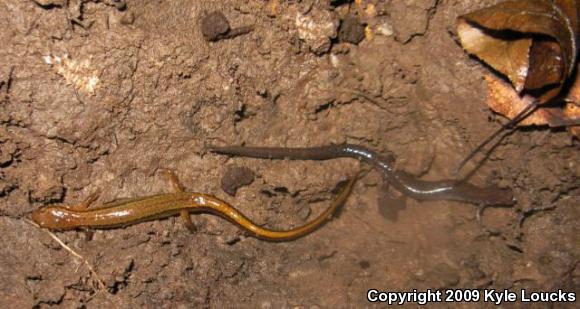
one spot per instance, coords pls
(236, 177)
(215, 26)
(93, 97)
(351, 30)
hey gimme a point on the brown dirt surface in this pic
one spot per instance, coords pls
(97, 95)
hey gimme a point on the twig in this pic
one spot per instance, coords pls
(100, 282)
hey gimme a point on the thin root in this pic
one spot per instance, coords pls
(510, 126)
(101, 284)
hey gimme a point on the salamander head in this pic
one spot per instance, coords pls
(54, 218)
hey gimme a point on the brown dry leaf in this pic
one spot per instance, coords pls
(574, 92)
(508, 57)
(543, 55)
(572, 107)
(570, 9)
(503, 99)
(572, 112)
(545, 66)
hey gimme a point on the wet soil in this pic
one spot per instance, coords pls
(97, 95)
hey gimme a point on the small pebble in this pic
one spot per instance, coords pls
(128, 18)
(214, 26)
(236, 177)
(121, 5)
(49, 3)
(351, 30)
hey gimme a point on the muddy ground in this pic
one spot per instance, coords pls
(95, 96)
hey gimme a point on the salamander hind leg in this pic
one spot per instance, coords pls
(88, 233)
(184, 214)
(177, 188)
(173, 180)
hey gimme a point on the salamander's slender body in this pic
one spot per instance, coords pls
(128, 212)
(406, 184)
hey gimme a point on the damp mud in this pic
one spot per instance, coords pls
(100, 96)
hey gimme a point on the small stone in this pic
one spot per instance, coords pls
(128, 18)
(49, 3)
(316, 29)
(385, 29)
(121, 5)
(214, 26)
(273, 8)
(236, 177)
(351, 30)
(7, 152)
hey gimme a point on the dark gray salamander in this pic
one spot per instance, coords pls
(405, 183)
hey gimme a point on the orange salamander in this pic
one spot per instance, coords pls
(127, 212)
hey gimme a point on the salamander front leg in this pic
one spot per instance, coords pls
(184, 214)
(173, 180)
(177, 187)
(88, 233)
(86, 203)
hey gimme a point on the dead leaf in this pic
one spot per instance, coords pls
(532, 42)
(574, 92)
(507, 57)
(572, 111)
(545, 66)
(572, 107)
(504, 100)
